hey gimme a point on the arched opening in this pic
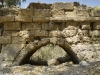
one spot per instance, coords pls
(69, 55)
(48, 52)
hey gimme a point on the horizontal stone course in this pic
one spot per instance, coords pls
(12, 26)
(11, 33)
(31, 26)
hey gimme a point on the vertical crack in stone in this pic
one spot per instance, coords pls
(18, 54)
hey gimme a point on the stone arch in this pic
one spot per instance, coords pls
(32, 47)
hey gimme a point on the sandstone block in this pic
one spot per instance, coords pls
(53, 40)
(18, 40)
(69, 33)
(70, 13)
(85, 26)
(41, 15)
(64, 6)
(38, 5)
(23, 18)
(86, 39)
(96, 33)
(45, 26)
(10, 51)
(95, 13)
(71, 26)
(82, 13)
(12, 26)
(57, 13)
(41, 19)
(75, 39)
(32, 33)
(31, 26)
(41, 33)
(57, 26)
(85, 32)
(5, 39)
(25, 12)
(69, 40)
(55, 33)
(8, 18)
(44, 41)
(96, 26)
(60, 41)
(10, 33)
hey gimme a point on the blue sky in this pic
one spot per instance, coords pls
(91, 3)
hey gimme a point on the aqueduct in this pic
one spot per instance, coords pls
(74, 28)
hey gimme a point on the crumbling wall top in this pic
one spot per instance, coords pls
(41, 12)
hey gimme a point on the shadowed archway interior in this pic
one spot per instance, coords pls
(66, 48)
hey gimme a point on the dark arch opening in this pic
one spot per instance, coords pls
(67, 49)
(48, 52)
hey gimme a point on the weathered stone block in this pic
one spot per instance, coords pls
(41, 15)
(10, 33)
(85, 32)
(23, 18)
(31, 26)
(25, 12)
(12, 26)
(45, 26)
(70, 14)
(53, 40)
(69, 40)
(96, 33)
(85, 26)
(75, 39)
(38, 5)
(8, 18)
(57, 13)
(18, 40)
(86, 39)
(82, 13)
(57, 26)
(71, 26)
(64, 6)
(55, 33)
(41, 33)
(96, 26)
(5, 39)
(95, 13)
(60, 41)
(10, 51)
(32, 33)
(69, 33)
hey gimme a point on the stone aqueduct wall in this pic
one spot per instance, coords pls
(23, 31)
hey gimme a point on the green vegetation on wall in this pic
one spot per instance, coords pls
(97, 8)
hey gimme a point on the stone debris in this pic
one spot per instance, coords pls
(52, 62)
(91, 69)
